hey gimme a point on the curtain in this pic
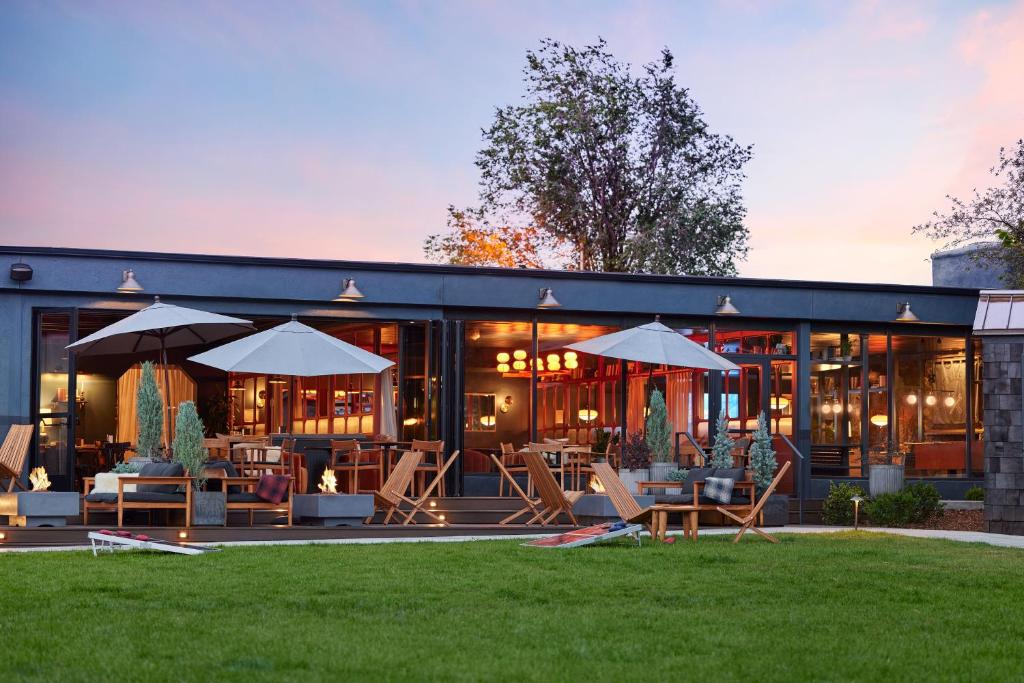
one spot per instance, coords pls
(388, 418)
(678, 388)
(183, 388)
(636, 395)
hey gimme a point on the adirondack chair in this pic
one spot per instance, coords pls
(622, 500)
(750, 521)
(13, 453)
(553, 500)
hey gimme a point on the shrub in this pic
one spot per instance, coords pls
(126, 468)
(188, 443)
(927, 501)
(891, 509)
(762, 455)
(676, 475)
(915, 504)
(149, 408)
(837, 509)
(975, 493)
(636, 454)
(659, 429)
(721, 452)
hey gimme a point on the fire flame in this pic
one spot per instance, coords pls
(37, 477)
(596, 485)
(328, 483)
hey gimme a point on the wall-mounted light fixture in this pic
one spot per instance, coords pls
(506, 405)
(129, 285)
(349, 292)
(21, 272)
(725, 306)
(546, 298)
(904, 314)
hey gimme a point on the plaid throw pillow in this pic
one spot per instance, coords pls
(272, 488)
(719, 489)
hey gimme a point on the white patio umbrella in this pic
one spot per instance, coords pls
(293, 349)
(157, 328)
(654, 343)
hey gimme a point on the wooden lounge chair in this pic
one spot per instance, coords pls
(750, 521)
(13, 453)
(391, 495)
(553, 500)
(622, 500)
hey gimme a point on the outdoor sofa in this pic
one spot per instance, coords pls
(693, 486)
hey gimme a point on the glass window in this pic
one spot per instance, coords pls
(497, 363)
(931, 396)
(52, 396)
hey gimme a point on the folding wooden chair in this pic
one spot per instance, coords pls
(13, 453)
(750, 521)
(553, 500)
(513, 465)
(622, 500)
(392, 494)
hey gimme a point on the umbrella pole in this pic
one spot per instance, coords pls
(167, 394)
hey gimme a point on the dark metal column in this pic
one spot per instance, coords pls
(802, 428)
(534, 355)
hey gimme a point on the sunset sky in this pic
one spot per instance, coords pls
(343, 130)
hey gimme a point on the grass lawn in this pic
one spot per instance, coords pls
(843, 606)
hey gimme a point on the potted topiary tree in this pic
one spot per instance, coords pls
(721, 451)
(636, 461)
(659, 438)
(149, 410)
(208, 507)
(764, 464)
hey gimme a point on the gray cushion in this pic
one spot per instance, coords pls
(102, 498)
(229, 471)
(736, 473)
(696, 474)
(244, 497)
(687, 499)
(154, 497)
(160, 469)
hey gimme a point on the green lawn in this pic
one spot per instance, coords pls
(845, 606)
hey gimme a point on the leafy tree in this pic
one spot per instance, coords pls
(995, 215)
(188, 443)
(620, 167)
(659, 429)
(762, 455)
(149, 410)
(721, 451)
(473, 241)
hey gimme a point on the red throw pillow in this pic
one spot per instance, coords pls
(272, 488)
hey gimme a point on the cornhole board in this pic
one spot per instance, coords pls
(122, 540)
(591, 534)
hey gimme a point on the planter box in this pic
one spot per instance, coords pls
(631, 477)
(338, 509)
(39, 508)
(598, 507)
(776, 510)
(209, 508)
(659, 472)
(884, 479)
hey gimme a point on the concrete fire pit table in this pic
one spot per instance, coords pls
(332, 509)
(39, 508)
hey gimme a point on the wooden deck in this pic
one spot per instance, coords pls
(466, 516)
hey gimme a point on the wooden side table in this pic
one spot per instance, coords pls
(690, 520)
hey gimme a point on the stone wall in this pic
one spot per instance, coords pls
(1004, 434)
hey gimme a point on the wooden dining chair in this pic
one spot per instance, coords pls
(513, 463)
(432, 463)
(347, 456)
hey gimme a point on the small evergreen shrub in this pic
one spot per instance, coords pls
(188, 443)
(762, 455)
(149, 410)
(721, 451)
(975, 493)
(927, 501)
(676, 475)
(659, 429)
(636, 454)
(126, 468)
(837, 508)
